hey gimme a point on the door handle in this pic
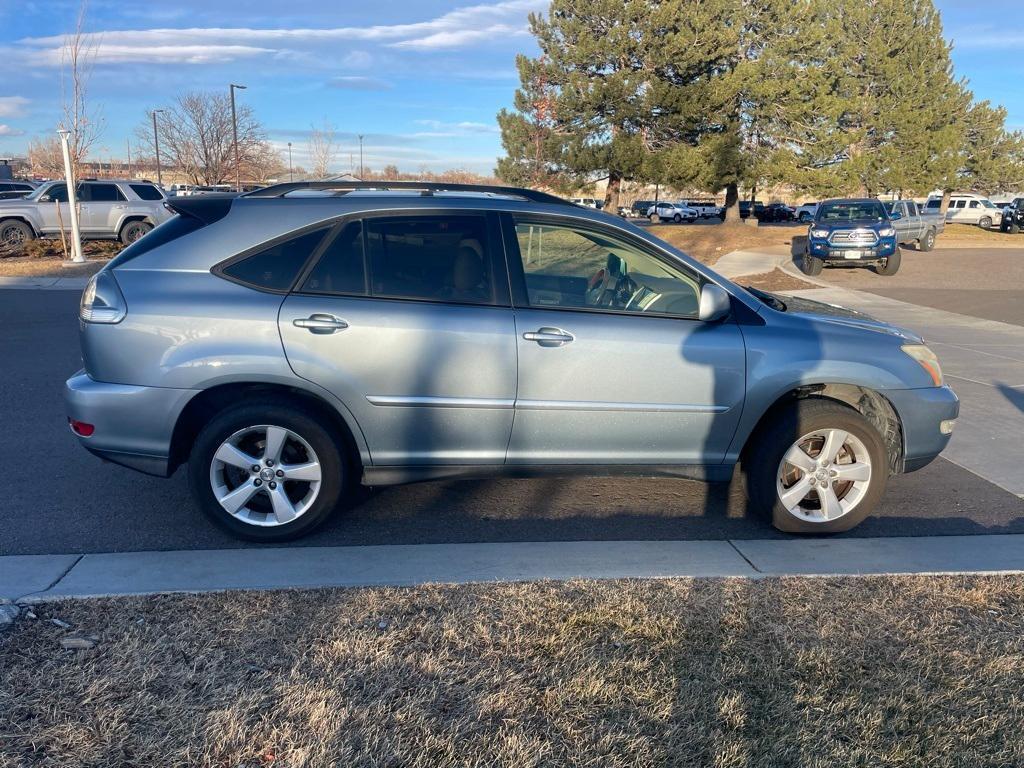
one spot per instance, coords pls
(549, 337)
(320, 323)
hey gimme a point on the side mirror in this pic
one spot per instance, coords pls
(895, 216)
(45, 199)
(714, 303)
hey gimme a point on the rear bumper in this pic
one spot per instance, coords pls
(133, 425)
(922, 412)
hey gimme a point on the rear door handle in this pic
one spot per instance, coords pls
(549, 337)
(320, 323)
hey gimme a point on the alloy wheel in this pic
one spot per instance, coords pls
(265, 475)
(824, 475)
(12, 236)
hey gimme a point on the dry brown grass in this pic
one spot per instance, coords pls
(776, 280)
(708, 242)
(45, 258)
(815, 672)
(968, 234)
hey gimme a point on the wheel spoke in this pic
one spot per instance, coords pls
(856, 471)
(798, 458)
(791, 497)
(275, 443)
(236, 457)
(830, 506)
(309, 472)
(834, 440)
(236, 499)
(284, 511)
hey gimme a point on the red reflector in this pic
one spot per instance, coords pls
(81, 428)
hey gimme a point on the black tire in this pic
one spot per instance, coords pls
(891, 266)
(985, 222)
(811, 265)
(769, 444)
(133, 230)
(325, 442)
(14, 233)
(677, 218)
(1014, 229)
(804, 217)
(927, 243)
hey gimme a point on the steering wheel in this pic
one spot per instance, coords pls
(610, 289)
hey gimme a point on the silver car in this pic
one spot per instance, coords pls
(289, 343)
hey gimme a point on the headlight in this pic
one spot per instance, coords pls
(886, 232)
(819, 232)
(926, 359)
(102, 301)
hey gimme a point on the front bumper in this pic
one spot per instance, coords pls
(133, 425)
(852, 254)
(922, 413)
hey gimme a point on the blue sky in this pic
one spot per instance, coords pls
(422, 80)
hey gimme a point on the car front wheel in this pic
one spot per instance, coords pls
(267, 471)
(985, 222)
(811, 265)
(818, 467)
(14, 233)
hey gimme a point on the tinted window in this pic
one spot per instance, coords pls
(58, 193)
(934, 203)
(580, 269)
(341, 268)
(146, 191)
(439, 258)
(974, 203)
(276, 267)
(102, 193)
(959, 204)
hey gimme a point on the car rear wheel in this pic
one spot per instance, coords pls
(267, 471)
(985, 222)
(927, 243)
(134, 230)
(811, 265)
(818, 467)
(14, 233)
(677, 218)
(890, 266)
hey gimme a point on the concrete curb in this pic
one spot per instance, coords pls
(41, 578)
(44, 283)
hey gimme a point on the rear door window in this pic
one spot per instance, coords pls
(146, 191)
(432, 258)
(102, 193)
(275, 268)
(341, 268)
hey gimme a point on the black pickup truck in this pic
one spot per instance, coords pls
(1013, 217)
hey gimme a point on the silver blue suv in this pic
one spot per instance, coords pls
(291, 342)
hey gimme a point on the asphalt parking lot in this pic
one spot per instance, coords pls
(59, 499)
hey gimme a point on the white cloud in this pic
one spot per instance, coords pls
(455, 29)
(441, 129)
(13, 106)
(6, 130)
(359, 83)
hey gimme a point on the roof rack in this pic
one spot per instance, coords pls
(424, 187)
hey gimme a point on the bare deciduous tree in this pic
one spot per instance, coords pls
(83, 121)
(196, 138)
(45, 158)
(263, 163)
(322, 149)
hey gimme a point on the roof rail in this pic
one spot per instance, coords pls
(425, 187)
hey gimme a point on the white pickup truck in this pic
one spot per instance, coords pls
(107, 210)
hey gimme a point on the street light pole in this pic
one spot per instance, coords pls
(156, 144)
(70, 180)
(234, 134)
(290, 177)
(361, 171)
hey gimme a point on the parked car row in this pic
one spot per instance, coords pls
(12, 190)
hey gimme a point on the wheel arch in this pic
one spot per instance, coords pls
(204, 405)
(23, 219)
(871, 404)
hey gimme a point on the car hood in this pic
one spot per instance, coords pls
(833, 314)
(855, 224)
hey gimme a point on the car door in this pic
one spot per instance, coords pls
(54, 213)
(904, 224)
(406, 319)
(614, 367)
(106, 205)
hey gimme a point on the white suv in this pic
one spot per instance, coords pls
(671, 212)
(968, 209)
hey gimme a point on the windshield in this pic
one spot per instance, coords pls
(988, 203)
(40, 190)
(858, 210)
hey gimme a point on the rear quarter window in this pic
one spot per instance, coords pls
(146, 191)
(276, 267)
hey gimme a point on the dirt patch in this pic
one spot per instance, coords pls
(967, 235)
(836, 672)
(708, 242)
(776, 280)
(45, 258)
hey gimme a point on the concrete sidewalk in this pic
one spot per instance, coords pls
(37, 578)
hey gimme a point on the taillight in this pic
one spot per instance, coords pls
(102, 301)
(81, 428)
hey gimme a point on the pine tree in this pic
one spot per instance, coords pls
(583, 105)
